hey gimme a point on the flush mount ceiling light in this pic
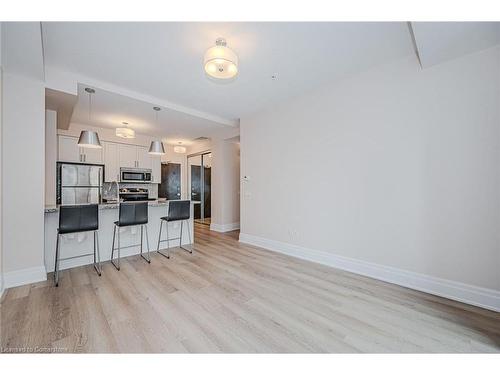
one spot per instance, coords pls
(180, 149)
(156, 147)
(125, 132)
(88, 138)
(220, 61)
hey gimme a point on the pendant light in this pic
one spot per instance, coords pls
(220, 61)
(125, 132)
(156, 147)
(88, 138)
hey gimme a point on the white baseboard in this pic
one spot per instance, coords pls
(24, 276)
(470, 294)
(224, 227)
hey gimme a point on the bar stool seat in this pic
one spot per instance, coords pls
(177, 211)
(131, 214)
(77, 219)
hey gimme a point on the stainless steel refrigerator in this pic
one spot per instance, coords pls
(79, 183)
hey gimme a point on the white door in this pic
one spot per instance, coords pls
(92, 155)
(111, 162)
(68, 149)
(143, 157)
(127, 156)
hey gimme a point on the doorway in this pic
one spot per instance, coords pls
(200, 174)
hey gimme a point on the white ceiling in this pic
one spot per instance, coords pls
(438, 42)
(165, 60)
(21, 49)
(109, 110)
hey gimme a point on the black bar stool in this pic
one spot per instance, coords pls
(76, 219)
(131, 214)
(177, 211)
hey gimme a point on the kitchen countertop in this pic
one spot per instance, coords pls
(110, 206)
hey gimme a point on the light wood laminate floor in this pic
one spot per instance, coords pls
(230, 297)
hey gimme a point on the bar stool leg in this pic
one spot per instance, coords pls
(56, 270)
(148, 259)
(189, 233)
(96, 246)
(147, 244)
(113, 248)
(159, 240)
(119, 248)
(113, 244)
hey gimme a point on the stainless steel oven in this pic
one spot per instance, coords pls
(136, 175)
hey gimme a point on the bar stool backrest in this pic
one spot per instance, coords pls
(133, 213)
(78, 218)
(179, 210)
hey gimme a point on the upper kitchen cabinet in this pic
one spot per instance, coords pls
(111, 161)
(127, 156)
(143, 158)
(92, 155)
(147, 161)
(69, 151)
(113, 155)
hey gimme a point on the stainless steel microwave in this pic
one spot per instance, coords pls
(136, 175)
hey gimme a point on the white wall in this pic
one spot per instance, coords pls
(396, 167)
(50, 157)
(1, 169)
(225, 184)
(23, 166)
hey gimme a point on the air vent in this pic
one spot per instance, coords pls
(200, 139)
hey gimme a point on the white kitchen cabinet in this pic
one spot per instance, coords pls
(156, 169)
(111, 162)
(92, 155)
(68, 149)
(127, 156)
(143, 158)
(113, 155)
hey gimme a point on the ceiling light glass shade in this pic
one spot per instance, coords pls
(156, 148)
(220, 61)
(180, 149)
(89, 139)
(125, 133)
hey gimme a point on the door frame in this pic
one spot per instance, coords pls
(202, 180)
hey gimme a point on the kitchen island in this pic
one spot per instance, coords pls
(81, 243)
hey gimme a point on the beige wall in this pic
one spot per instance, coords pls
(397, 167)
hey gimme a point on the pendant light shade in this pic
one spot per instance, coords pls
(220, 61)
(156, 148)
(88, 138)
